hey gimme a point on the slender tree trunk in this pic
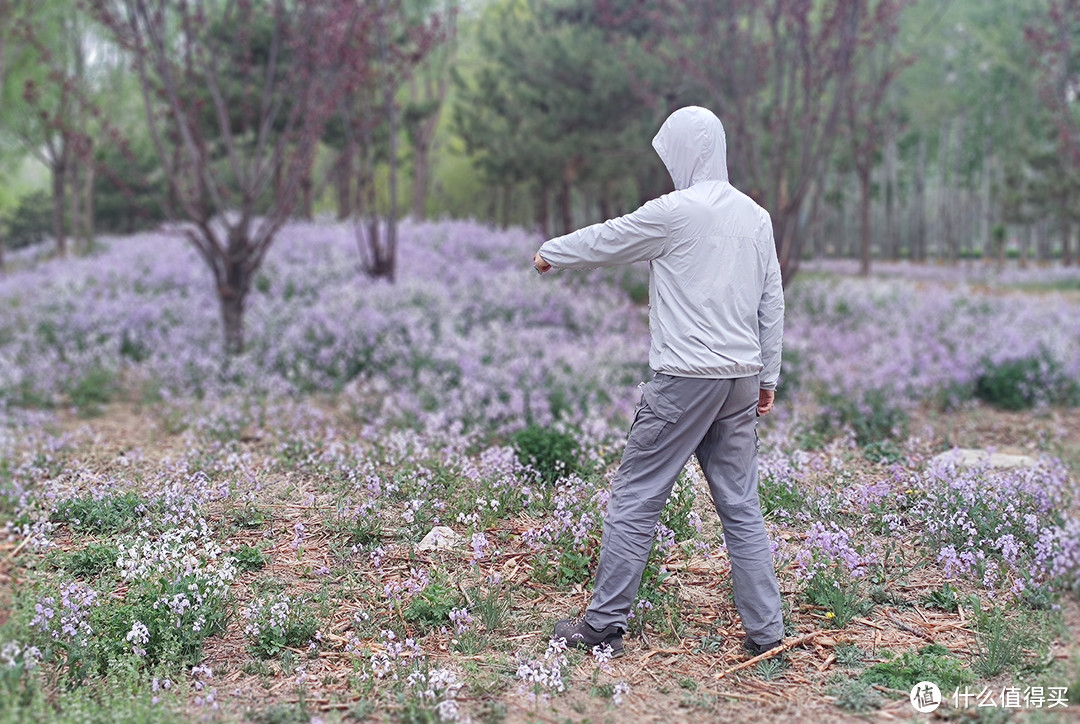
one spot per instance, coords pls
(542, 211)
(989, 171)
(344, 184)
(59, 176)
(390, 108)
(892, 237)
(1042, 245)
(75, 194)
(1025, 245)
(918, 240)
(89, 213)
(945, 200)
(1066, 242)
(605, 201)
(420, 180)
(507, 196)
(565, 215)
(788, 241)
(307, 201)
(864, 222)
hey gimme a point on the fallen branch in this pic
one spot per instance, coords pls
(770, 653)
(910, 629)
(18, 548)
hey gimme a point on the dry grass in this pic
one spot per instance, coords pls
(692, 669)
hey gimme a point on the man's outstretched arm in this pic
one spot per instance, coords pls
(639, 236)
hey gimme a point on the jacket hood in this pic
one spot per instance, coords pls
(692, 145)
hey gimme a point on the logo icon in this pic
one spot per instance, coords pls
(925, 697)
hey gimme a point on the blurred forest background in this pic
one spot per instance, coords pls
(872, 129)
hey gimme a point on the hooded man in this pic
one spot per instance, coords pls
(716, 318)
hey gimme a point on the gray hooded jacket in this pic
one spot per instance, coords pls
(716, 301)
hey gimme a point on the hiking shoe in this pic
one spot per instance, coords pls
(583, 636)
(757, 649)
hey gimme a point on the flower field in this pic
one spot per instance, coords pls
(185, 538)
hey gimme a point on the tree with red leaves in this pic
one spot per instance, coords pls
(237, 95)
(1056, 45)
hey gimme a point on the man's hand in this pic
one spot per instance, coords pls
(541, 266)
(765, 400)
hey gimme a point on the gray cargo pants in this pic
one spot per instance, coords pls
(716, 419)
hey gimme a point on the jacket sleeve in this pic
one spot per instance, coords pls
(771, 315)
(639, 236)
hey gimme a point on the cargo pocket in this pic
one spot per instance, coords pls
(665, 413)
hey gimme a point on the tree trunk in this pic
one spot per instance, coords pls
(75, 194)
(59, 189)
(232, 319)
(892, 236)
(390, 261)
(565, 215)
(89, 215)
(864, 222)
(987, 220)
(507, 197)
(605, 201)
(345, 182)
(1025, 246)
(307, 204)
(542, 211)
(918, 237)
(1042, 246)
(788, 243)
(234, 282)
(420, 179)
(1066, 242)
(945, 199)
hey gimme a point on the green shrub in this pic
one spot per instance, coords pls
(1021, 384)
(31, 221)
(552, 453)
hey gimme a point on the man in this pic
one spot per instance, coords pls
(716, 321)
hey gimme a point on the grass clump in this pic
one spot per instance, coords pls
(1000, 644)
(855, 695)
(249, 558)
(91, 561)
(92, 391)
(110, 514)
(277, 622)
(873, 418)
(930, 663)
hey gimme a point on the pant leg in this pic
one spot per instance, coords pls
(728, 457)
(674, 416)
